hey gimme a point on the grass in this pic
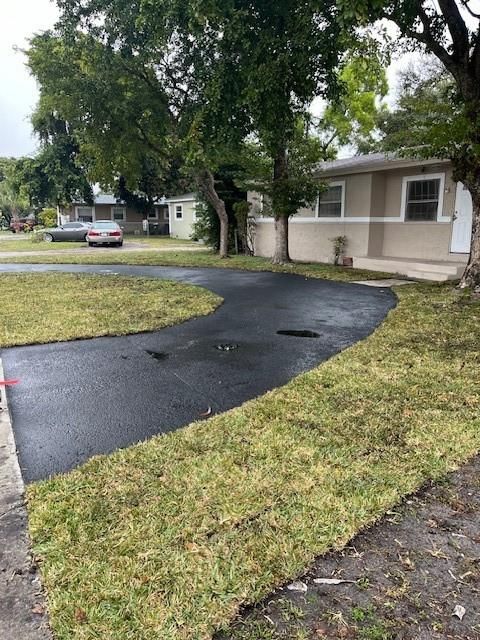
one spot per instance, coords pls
(168, 538)
(154, 242)
(201, 258)
(38, 308)
(7, 246)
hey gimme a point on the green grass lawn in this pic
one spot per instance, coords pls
(162, 241)
(204, 258)
(39, 308)
(28, 245)
(153, 242)
(168, 538)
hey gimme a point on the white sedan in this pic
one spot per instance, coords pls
(105, 232)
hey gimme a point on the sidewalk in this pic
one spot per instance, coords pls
(22, 604)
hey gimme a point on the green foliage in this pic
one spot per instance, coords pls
(339, 246)
(13, 203)
(451, 127)
(54, 176)
(428, 118)
(207, 225)
(351, 118)
(48, 217)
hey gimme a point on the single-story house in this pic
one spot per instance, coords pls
(182, 215)
(398, 215)
(171, 216)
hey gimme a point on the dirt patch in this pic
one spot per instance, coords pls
(405, 576)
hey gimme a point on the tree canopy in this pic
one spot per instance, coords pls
(449, 30)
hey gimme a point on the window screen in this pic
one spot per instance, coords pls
(330, 203)
(85, 214)
(422, 199)
(119, 213)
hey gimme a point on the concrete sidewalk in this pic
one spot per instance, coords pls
(22, 603)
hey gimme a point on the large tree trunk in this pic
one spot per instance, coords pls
(281, 255)
(471, 275)
(280, 173)
(206, 184)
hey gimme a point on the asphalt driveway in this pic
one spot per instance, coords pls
(78, 399)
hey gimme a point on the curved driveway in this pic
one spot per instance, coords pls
(78, 399)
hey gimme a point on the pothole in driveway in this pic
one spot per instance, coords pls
(296, 333)
(227, 347)
(157, 355)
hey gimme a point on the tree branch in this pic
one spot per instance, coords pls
(148, 141)
(470, 11)
(426, 37)
(456, 26)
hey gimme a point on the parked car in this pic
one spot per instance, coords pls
(105, 232)
(70, 231)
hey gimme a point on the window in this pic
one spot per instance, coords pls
(179, 211)
(422, 198)
(72, 225)
(331, 201)
(166, 214)
(119, 214)
(105, 224)
(153, 215)
(85, 214)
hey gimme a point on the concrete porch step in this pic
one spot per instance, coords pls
(436, 271)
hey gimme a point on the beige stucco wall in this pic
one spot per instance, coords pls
(375, 195)
(182, 228)
(393, 188)
(313, 241)
(358, 193)
(427, 241)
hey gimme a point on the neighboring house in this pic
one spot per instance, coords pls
(172, 216)
(182, 213)
(398, 215)
(107, 207)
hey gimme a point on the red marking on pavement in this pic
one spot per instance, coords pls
(8, 383)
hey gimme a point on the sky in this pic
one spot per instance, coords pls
(19, 20)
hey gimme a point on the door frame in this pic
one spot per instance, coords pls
(458, 186)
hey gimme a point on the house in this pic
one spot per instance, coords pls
(108, 207)
(182, 215)
(398, 215)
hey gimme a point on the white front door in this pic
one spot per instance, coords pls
(462, 224)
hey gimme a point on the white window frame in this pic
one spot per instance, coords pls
(335, 183)
(124, 213)
(441, 191)
(154, 215)
(84, 206)
(180, 205)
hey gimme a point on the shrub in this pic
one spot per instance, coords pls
(48, 217)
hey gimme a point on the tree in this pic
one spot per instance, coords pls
(287, 54)
(352, 118)
(152, 183)
(426, 105)
(141, 81)
(12, 203)
(349, 117)
(54, 176)
(450, 30)
(207, 226)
